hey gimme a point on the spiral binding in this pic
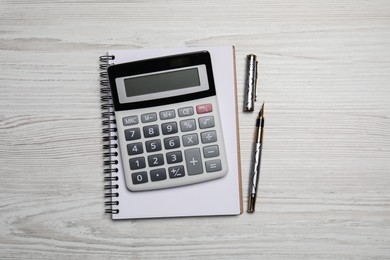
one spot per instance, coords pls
(109, 134)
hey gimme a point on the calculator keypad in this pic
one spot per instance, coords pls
(173, 147)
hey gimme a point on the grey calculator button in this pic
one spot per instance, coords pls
(193, 161)
(206, 122)
(149, 117)
(213, 166)
(167, 114)
(153, 145)
(187, 125)
(176, 171)
(132, 134)
(135, 148)
(191, 139)
(186, 111)
(139, 177)
(155, 160)
(208, 137)
(130, 120)
(158, 174)
(137, 163)
(171, 142)
(169, 128)
(151, 130)
(210, 151)
(174, 157)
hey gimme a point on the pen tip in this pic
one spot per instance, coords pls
(261, 110)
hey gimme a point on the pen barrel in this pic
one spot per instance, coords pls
(255, 177)
(250, 83)
(256, 169)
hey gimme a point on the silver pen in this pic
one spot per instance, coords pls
(255, 176)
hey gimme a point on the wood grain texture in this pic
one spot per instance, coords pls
(324, 74)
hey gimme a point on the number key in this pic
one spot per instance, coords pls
(150, 131)
(139, 177)
(132, 134)
(137, 163)
(171, 142)
(174, 157)
(135, 148)
(155, 160)
(169, 128)
(153, 145)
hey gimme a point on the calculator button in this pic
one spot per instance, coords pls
(137, 163)
(169, 128)
(151, 130)
(187, 125)
(213, 166)
(158, 174)
(149, 117)
(172, 142)
(153, 145)
(132, 134)
(193, 161)
(191, 139)
(139, 177)
(174, 157)
(155, 160)
(205, 108)
(206, 122)
(208, 137)
(130, 120)
(134, 148)
(167, 114)
(176, 171)
(186, 111)
(210, 151)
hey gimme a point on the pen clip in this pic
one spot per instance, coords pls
(255, 79)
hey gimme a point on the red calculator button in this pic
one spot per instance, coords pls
(205, 108)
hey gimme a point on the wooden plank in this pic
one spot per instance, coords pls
(324, 74)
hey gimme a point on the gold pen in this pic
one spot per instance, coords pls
(255, 176)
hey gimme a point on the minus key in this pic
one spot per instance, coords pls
(211, 151)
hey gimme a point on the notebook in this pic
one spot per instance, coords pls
(222, 196)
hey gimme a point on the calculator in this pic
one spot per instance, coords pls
(168, 121)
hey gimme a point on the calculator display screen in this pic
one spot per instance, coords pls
(162, 82)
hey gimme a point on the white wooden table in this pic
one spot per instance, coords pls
(325, 77)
